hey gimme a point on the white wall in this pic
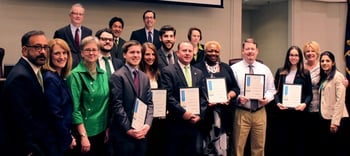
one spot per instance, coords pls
(20, 16)
(307, 20)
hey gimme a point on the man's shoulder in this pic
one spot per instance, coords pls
(62, 28)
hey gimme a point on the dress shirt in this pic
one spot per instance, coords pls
(241, 68)
(102, 65)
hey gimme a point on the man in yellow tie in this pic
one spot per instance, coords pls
(182, 124)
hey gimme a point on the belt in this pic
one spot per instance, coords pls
(248, 109)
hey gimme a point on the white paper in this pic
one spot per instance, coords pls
(254, 86)
(139, 117)
(217, 92)
(291, 95)
(189, 99)
(159, 102)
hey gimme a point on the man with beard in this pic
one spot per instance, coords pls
(24, 115)
(105, 61)
(166, 53)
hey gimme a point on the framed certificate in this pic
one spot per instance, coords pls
(139, 116)
(216, 88)
(189, 99)
(159, 102)
(291, 96)
(254, 86)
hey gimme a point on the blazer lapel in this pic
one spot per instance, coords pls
(180, 75)
(130, 79)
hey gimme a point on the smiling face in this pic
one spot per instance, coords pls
(294, 57)
(168, 40)
(59, 57)
(212, 53)
(117, 28)
(185, 52)
(133, 55)
(250, 52)
(310, 54)
(149, 20)
(90, 52)
(326, 63)
(106, 42)
(149, 56)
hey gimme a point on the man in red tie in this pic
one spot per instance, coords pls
(74, 32)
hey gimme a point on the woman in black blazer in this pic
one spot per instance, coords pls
(291, 130)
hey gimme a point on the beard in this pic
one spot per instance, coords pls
(106, 50)
(166, 48)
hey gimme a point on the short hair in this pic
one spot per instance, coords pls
(189, 33)
(89, 39)
(182, 42)
(212, 42)
(99, 32)
(116, 19)
(249, 40)
(147, 11)
(26, 37)
(130, 43)
(50, 66)
(165, 28)
(313, 45)
(76, 5)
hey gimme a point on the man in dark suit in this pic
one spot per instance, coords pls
(24, 114)
(116, 24)
(183, 132)
(74, 32)
(167, 55)
(105, 37)
(126, 85)
(148, 33)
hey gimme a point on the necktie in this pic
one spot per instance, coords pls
(149, 38)
(108, 68)
(170, 60)
(254, 103)
(116, 43)
(187, 76)
(136, 82)
(40, 79)
(77, 38)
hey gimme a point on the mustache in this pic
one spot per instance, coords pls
(41, 56)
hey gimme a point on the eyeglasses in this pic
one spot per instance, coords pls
(106, 39)
(77, 13)
(90, 50)
(39, 47)
(294, 55)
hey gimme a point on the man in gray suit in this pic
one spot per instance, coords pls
(126, 85)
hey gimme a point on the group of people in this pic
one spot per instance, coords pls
(75, 95)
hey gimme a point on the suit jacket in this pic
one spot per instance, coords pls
(333, 99)
(306, 92)
(123, 96)
(172, 79)
(140, 35)
(24, 110)
(65, 33)
(117, 63)
(59, 99)
(117, 50)
(163, 60)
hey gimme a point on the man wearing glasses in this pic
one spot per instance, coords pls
(24, 122)
(74, 32)
(148, 33)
